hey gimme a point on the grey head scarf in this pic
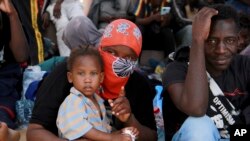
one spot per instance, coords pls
(81, 31)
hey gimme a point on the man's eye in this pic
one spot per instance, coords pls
(212, 41)
(230, 41)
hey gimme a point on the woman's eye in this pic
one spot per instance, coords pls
(110, 52)
(131, 58)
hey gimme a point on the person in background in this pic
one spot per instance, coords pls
(13, 51)
(120, 46)
(214, 79)
(102, 12)
(242, 6)
(60, 12)
(244, 31)
(155, 25)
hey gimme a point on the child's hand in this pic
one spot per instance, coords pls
(131, 131)
(120, 137)
(121, 107)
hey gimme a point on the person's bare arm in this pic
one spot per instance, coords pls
(96, 135)
(191, 97)
(36, 132)
(18, 42)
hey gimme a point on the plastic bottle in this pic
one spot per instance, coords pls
(157, 103)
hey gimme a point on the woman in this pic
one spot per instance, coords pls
(121, 42)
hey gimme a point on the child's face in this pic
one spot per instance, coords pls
(86, 75)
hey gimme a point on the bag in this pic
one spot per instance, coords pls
(220, 109)
(25, 106)
(24, 111)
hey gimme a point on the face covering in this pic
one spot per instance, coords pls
(117, 70)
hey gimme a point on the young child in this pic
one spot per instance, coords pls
(83, 114)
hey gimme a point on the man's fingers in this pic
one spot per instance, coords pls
(207, 12)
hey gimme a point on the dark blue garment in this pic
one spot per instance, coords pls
(240, 6)
(10, 78)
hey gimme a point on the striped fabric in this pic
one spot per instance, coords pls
(77, 115)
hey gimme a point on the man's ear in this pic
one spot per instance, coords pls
(69, 75)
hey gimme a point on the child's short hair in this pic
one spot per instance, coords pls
(84, 51)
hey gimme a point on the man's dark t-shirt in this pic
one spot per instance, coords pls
(234, 82)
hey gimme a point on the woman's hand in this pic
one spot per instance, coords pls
(121, 107)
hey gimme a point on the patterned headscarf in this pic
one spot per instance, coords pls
(117, 70)
(122, 32)
(81, 31)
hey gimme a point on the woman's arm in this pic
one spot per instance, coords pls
(36, 132)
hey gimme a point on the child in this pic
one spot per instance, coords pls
(83, 114)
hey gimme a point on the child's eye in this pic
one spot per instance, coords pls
(80, 73)
(93, 73)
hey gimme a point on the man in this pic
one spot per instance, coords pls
(214, 47)
(13, 50)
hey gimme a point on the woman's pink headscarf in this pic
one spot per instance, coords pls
(117, 70)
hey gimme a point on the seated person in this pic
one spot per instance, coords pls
(133, 109)
(85, 72)
(60, 12)
(13, 51)
(200, 94)
(155, 26)
(102, 12)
